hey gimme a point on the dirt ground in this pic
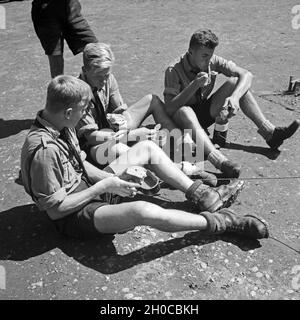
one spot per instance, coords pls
(147, 264)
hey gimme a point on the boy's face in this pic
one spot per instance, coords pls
(200, 57)
(97, 76)
(78, 111)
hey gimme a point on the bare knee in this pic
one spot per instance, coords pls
(144, 212)
(185, 116)
(119, 148)
(141, 210)
(147, 146)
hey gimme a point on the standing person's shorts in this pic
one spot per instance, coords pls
(56, 20)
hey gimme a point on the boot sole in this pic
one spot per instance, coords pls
(229, 199)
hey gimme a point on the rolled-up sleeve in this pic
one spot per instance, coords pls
(47, 178)
(87, 124)
(221, 65)
(172, 84)
(115, 98)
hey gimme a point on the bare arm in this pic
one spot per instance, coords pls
(244, 82)
(78, 200)
(94, 173)
(184, 96)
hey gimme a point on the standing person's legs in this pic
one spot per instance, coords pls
(56, 63)
(46, 19)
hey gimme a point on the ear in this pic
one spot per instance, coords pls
(68, 113)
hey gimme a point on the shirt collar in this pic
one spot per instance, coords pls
(83, 77)
(48, 126)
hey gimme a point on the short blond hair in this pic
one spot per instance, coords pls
(99, 55)
(65, 91)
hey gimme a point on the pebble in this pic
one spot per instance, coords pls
(104, 288)
(267, 276)
(168, 294)
(290, 291)
(203, 265)
(259, 274)
(254, 269)
(125, 289)
(270, 261)
(253, 293)
(273, 211)
(237, 264)
(129, 296)
(52, 253)
(174, 235)
(226, 261)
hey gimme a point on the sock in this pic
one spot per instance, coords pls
(215, 222)
(197, 185)
(266, 130)
(216, 158)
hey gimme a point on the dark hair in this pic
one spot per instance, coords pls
(204, 38)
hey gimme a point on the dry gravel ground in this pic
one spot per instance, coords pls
(144, 263)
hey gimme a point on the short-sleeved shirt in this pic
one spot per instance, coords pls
(179, 75)
(110, 98)
(54, 172)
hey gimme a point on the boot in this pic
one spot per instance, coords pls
(282, 133)
(230, 169)
(226, 220)
(213, 199)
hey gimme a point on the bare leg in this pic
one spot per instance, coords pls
(185, 118)
(107, 152)
(248, 103)
(126, 216)
(149, 104)
(56, 65)
(147, 153)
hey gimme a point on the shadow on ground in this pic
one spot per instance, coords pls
(267, 152)
(26, 232)
(12, 127)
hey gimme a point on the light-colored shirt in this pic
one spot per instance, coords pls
(179, 75)
(54, 172)
(110, 98)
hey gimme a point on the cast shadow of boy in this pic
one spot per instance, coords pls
(25, 232)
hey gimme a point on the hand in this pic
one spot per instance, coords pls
(231, 105)
(121, 109)
(121, 187)
(120, 134)
(202, 79)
